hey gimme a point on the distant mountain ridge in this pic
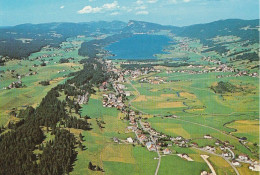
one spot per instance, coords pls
(55, 33)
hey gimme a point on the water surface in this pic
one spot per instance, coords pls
(138, 47)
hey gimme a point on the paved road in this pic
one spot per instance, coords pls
(154, 142)
(235, 169)
(205, 158)
(233, 155)
(159, 162)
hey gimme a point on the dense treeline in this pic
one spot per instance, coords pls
(69, 90)
(50, 110)
(218, 48)
(44, 83)
(94, 167)
(64, 60)
(17, 145)
(58, 155)
(236, 53)
(16, 155)
(224, 87)
(27, 135)
(93, 73)
(73, 122)
(25, 113)
(248, 56)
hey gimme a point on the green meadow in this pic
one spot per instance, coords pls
(33, 92)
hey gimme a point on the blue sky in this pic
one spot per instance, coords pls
(170, 12)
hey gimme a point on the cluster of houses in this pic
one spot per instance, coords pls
(245, 73)
(69, 49)
(240, 74)
(155, 80)
(49, 55)
(31, 73)
(15, 84)
(220, 68)
(155, 141)
(138, 72)
(180, 141)
(83, 99)
(184, 46)
(115, 100)
(227, 153)
(189, 71)
(244, 158)
(111, 100)
(145, 134)
(208, 59)
(223, 68)
(185, 156)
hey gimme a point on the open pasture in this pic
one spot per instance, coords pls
(190, 130)
(101, 150)
(33, 92)
(246, 128)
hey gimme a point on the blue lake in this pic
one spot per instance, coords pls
(138, 47)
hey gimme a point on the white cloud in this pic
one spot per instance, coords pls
(62, 6)
(186, 0)
(152, 1)
(105, 7)
(142, 13)
(89, 9)
(112, 5)
(143, 7)
(114, 13)
(139, 2)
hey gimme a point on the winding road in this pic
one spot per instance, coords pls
(235, 169)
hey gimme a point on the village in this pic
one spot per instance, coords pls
(156, 141)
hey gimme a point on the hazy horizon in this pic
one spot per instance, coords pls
(127, 22)
(175, 12)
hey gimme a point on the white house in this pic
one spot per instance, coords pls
(207, 136)
(226, 154)
(243, 157)
(235, 163)
(127, 93)
(166, 151)
(130, 140)
(254, 167)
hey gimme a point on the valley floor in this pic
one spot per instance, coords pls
(157, 120)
